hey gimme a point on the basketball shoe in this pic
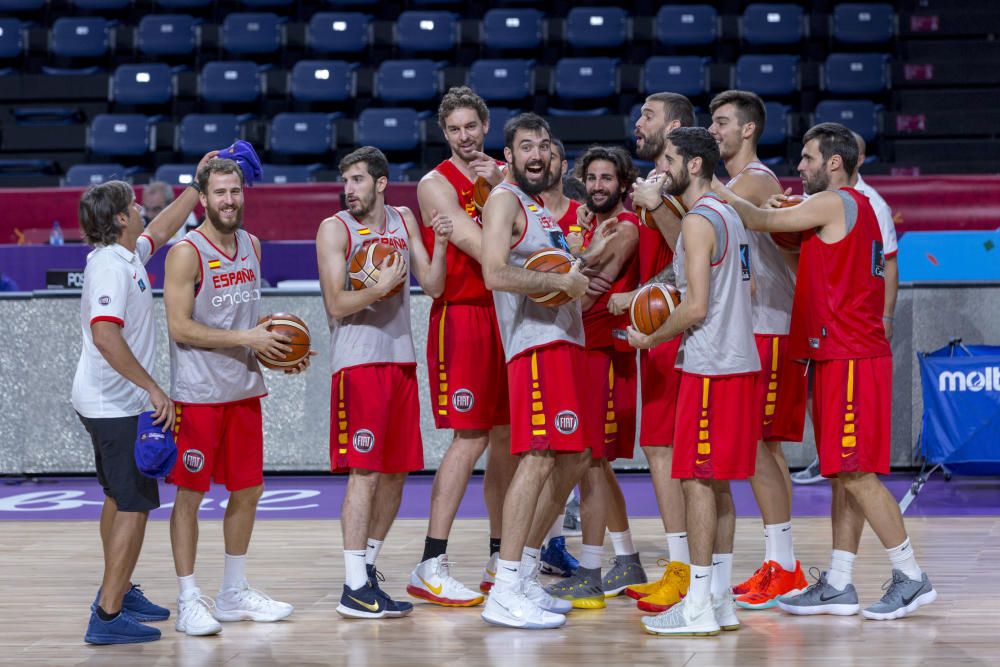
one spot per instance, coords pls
(393, 608)
(903, 596)
(583, 589)
(535, 592)
(122, 629)
(625, 571)
(683, 620)
(489, 573)
(725, 613)
(364, 602)
(138, 606)
(675, 573)
(509, 606)
(556, 559)
(249, 604)
(822, 598)
(432, 581)
(194, 615)
(777, 581)
(753, 583)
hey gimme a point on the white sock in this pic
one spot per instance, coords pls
(187, 585)
(701, 585)
(234, 572)
(371, 552)
(529, 562)
(354, 567)
(768, 547)
(557, 528)
(904, 560)
(841, 572)
(622, 542)
(722, 574)
(591, 555)
(779, 544)
(507, 572)
(677, 548)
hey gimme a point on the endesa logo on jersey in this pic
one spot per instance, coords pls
(985, 379)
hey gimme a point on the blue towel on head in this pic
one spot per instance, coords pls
(243, 154)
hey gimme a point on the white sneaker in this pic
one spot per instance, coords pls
(432, 581)
(194, 615)
(534, 591)
(683, 620)
(508, 606)
(249, 604)
(725, 612)
(489, 573)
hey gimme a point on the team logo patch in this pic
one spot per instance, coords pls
(557, 240)
(878, 259)
(463, 400)
(142, 285)
(363, 441)
(193, 460)
(745, 260)
(104, 300)
(567, 422)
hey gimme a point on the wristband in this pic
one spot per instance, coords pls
(194, 184)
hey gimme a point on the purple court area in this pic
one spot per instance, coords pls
(319, 497)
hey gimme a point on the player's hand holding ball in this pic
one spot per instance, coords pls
(267, 343)
(576, 282)
(392, 272)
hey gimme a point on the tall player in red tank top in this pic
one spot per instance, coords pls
(465, 359)
(839, 299)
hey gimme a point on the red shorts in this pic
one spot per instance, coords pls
(781, 390)
(610, 397)
(660, 382)
(717, 429)
(852, 415)
(222, 442)
(375, 419)
(466, 367)
(546, 401)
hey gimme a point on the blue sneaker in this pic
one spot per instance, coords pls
(393, 608)
(122, 629)
(557, 560)
(364, 602)
(136, 603)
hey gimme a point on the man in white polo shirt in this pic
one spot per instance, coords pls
(113, 385)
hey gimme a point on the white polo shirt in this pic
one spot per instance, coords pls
(115, 289)
(884, 215)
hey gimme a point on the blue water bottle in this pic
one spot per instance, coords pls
(56, 235)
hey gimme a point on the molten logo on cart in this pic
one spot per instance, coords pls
(363, 440)
(567, 422)
(987, 379)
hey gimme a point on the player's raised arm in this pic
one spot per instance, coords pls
(430, 271)
(163, 227)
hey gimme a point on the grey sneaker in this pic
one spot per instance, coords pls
(822, 598)
(625, 571)
(583, 589)
(571, 522)
(809, 474)
(903, 596)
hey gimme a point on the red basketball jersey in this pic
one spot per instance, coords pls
(840, 290)
(654, 254)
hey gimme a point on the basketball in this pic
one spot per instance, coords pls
(790, 241)
(652, 305)
(550, 260)
(364, 267)
(674, 204)
(480, 192)
(291, 326)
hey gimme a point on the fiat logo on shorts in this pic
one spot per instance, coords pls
(363, 441)
(462, 400)
(194, 460)
(567, 422)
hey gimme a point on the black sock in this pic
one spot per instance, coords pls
(105, 616)
(494, 545)
(434, 548)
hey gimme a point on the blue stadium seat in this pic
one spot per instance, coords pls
(389, 129)
(596, 27)
(505, 28)
(687, 25)
(772, 24)
(397, 172)
(426, 31)
(100, 5)
(493, 144)
(118, 134)
(352, 3)
(83, 175)
(251, 33)
(166, 35)
(80, 37)
(502, 79)
(182, 4)
(767, 75)
(322, 81)
(408, 80)
(199, 133)
(229, 81)
(151, 83)
(862, 116)
(586, 78)
(11, 38)
(338, 32)
(864, 23)
(289, 173)
(11, 6)
(175, 174)
(776, 127)
(856, 73)
(267, 3)
(301, 134)
(687, 75)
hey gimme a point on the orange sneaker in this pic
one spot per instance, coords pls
(753, 583)
(776, 581)
(675, 586)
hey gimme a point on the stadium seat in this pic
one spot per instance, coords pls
(772, 24)
(322, 81)
(289, 173)
(586, 78)
(687, 75)
(151, 83)
(502, 79)
(856, 73)
(398, 172)
(83, 175)
(80, 37)
(199, 133)
(687, 25)
(389, 129)
(767, 75)
(352, 3)
(11, 38)
(408, 80)
(776, 127)
(118, 134)
(100, 5)
(301, 134)
(862, 116)
(338, 32)
(11, 6)
(504, 28)
(182, 4)
(499, 116)
(166, 35)
(267, 3)
(175, 174)
(229, 81)
(251, 33)
(864, 23)
(596, 27)
(426, 31)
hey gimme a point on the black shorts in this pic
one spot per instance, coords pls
(114, 458)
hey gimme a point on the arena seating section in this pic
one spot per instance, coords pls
(97, 88)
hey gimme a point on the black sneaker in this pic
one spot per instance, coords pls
(393, 608)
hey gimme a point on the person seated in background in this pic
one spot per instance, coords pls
(156, 196)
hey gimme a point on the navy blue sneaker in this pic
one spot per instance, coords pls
(364, 602)
(122, 629)
(136, 603)
(557, 560)
(393, 608)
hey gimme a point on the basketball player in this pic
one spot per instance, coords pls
(714, 436)
(839, 303)
(738, 119)
(211, 293)
(113, 385)
(468, 378)
(374, 407)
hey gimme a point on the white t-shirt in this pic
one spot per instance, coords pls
(115, 289)
(884, 215)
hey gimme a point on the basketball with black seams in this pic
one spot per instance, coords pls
(295, 329)
(789, 241)
(550, 260)
(652, 305)
(365, 266)
(674, 204)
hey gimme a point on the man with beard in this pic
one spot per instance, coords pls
(212, 296)
(374, 407)
(738, 119)
(468, 377)
(839, 301)
(714, 434)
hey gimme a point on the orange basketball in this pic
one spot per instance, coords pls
(480, 191)
(790, 241)
(364, 267)
(652, 305)
(674, 204)
(550, 260)
(289, 325)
